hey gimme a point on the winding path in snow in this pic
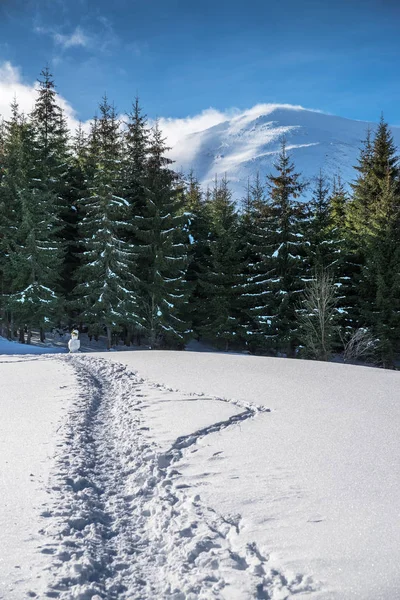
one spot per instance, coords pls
(120, 525)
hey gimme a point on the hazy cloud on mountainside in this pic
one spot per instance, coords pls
(178, 131)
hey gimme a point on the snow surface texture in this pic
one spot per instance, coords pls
(8, 347)
(248, 143)
(33, 397)
(174, 495)
(317, 481)
(122, 524)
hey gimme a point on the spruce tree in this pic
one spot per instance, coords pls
(359, 209)
(221, 281)
(11, 175)
(198, 234)
(106, 296)
(289, 268)
(322, 247)
(75, 189)
(255, 284)
(135, 154)
(36, 254)
(375, 240)
(51, 146)
(358, 225)
(346, 267)
(52, 167)
(136, 142)
(382, 273)
(162, 259)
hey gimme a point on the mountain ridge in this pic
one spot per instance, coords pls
(247, 143)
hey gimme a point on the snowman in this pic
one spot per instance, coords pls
(74, 343)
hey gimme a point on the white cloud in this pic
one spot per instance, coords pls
(12, 85)
(76, 38)
(178, 131)
(175, 129)
(101, 36)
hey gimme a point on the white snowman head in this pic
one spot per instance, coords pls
(74, 334)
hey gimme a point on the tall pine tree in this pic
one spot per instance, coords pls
(162, 258)
(106, 290)
(221, 280)
(289, 268)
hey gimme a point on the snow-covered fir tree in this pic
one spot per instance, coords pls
(51, 147)
(107, 287)
(288, 259)
(323, 247)
(220, 282)
(11, 174)
(346, 265)
(373, 226)
(162, 258)
(198, 233)
(134, 173)
(255, 284)
(380, 274)
(35, 254)
(75, 189)
(136, 148)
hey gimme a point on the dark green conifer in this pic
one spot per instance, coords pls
(221, 281)
(162, 257)
(106, 290)
(288, 262)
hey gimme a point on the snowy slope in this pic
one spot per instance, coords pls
(261, 478)
(248, 142)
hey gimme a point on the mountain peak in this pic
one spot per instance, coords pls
(242, 143)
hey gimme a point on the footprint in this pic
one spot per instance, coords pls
(317, 518)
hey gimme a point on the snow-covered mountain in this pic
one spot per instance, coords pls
(248, 142)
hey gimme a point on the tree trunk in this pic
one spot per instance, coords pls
(109, 338)
(42, 335)
(21, 336)
(127, 336)
(29, 336)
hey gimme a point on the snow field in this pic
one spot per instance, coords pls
(123, 525)
(317, 481)
(261, 478)
(34, 396)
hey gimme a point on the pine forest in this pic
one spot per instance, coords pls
(98, 231)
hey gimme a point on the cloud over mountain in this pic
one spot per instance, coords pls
(242, 143)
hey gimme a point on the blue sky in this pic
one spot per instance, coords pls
(182, 57)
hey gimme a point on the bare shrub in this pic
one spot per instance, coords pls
(361, 345)
(317, 316)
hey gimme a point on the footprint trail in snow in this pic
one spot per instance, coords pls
(121, 527)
